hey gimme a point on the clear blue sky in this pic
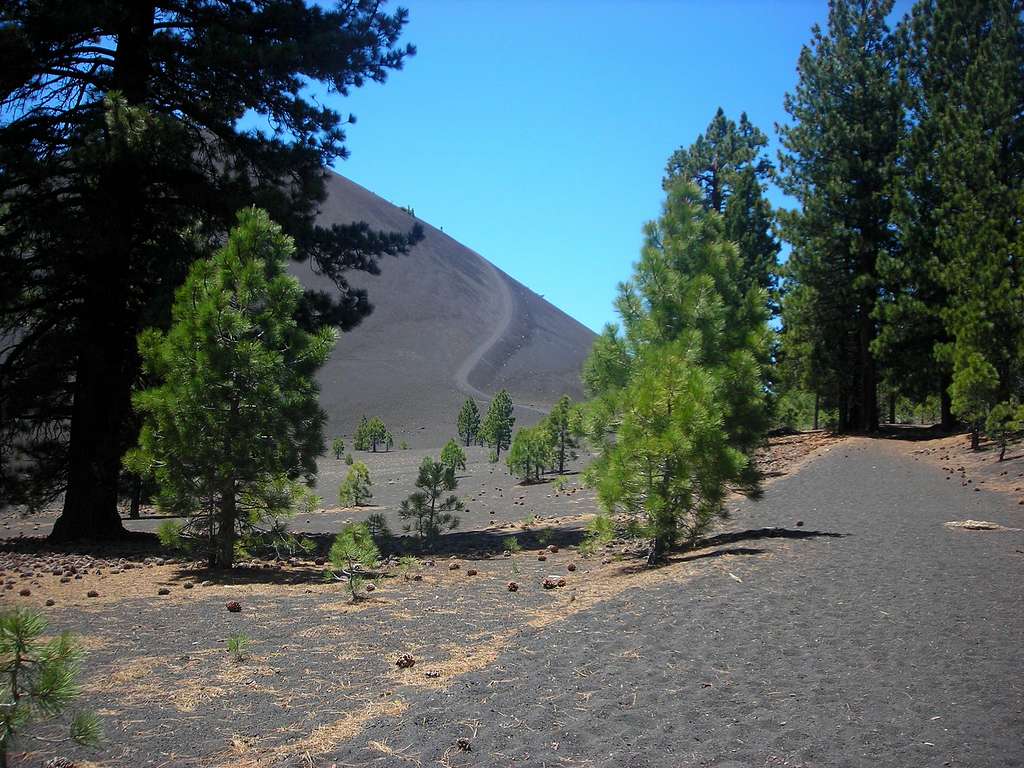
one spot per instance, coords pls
(536, 133)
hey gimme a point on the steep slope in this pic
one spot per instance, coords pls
(446, 324)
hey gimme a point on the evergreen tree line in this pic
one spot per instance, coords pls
(904, 151)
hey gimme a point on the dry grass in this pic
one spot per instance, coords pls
(245, 753)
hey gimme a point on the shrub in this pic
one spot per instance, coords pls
(378, 527)
(1003, 420)
(453, 457)
(407, 564)
(39, 678)
(512, 544)
(169, 533)
(349, 461)
(338, 447)
(238, 645)
(353, 549)
(355, 491)
(429, 510)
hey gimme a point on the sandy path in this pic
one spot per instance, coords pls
(900, 643)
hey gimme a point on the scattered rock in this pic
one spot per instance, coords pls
(551, 582)
(371, 588)
(25, 592)
(92, 593)
(513, 587)
(571, 567)
(508, 553)
(50, 602)
(799, 523)
(234, 607)
(405, 661)
(464, 745)
(471, 572)
(432, 673)
(188, 585)
(552, 548)
(453, 566)
(318, 561)
(542, 558)
(163, 591)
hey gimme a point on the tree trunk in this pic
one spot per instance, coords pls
(226, 528)
(136, 498)
(946, 405)
(107, 360)
(657, 551)
(101, 404)
(975, 437)
(868, 396)
(892, 407)
(817, 408)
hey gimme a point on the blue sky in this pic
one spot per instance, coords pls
(536, 133)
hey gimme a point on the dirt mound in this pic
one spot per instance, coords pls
(446, 324)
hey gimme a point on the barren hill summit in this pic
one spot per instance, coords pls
(446, 325)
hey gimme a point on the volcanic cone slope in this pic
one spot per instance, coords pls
(446, 325)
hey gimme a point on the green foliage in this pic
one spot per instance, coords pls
(678, 435)
(729, 164)
(431, 511)
(606, 369)
(837, 161)
(372, 433)
(39, 678)
(497, 426)
(469, 421)
(559, 483)
(545, 536)
(529, 521)
(404, 445)
(352, 552)
(453, 457)
(355, 490)
(110, 198)
(349, 461)
(238, 645)
(338, 447)
(377, 524)
(169, 532)
(234, 419)
(1003, 421)
(563, 426)
(511, 544)
(531, 452)
(961, 196)
(600, 531)
(408, 565)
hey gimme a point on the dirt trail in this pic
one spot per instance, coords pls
(505, 316)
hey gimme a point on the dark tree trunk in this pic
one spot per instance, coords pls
(946, 406)
(892, 407)
(224, 553)
(817, 408)
(657, 551)
(133, 513)
(867, 407)
(107, 361)
(975, 437)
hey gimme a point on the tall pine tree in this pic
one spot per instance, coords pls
(837, 162)
(123, 158)
(680, 429)
(962, 195)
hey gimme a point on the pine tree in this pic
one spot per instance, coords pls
(453, 457)
(352, 552)
(729, 165)
(136, 170)
(338, 447)
(962, 194)
(234, 420)
(531, 453)
(838, 159)
(355, 490)
(497, 426)
(679, 433)
(431, 512)
(39, 679)
(469, 421)
(562, 427)
(361, 441)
